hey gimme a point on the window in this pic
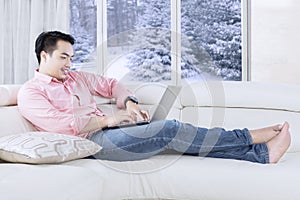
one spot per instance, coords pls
(140, 38)
(83, 26)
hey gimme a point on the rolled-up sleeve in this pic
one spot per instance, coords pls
(106, 87)
(37, 109)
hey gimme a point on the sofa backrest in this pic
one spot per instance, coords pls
(207, 104)
(256, 95)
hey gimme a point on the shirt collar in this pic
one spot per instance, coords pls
(43, 77)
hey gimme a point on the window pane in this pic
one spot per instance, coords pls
(211, 39)
(139, 40)
(83, 26)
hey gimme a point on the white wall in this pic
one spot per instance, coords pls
(275, 30)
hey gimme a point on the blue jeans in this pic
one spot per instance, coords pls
(141, 142)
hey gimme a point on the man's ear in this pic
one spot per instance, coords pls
(44, 56)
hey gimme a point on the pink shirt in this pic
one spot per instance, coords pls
(66, 107)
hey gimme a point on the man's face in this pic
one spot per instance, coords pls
(58, 64)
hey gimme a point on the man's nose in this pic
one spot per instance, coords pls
(69, 62)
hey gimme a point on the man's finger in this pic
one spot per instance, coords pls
(145, 115)
(133, 116)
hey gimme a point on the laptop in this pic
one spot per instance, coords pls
(161, 112)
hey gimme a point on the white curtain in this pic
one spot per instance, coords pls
(21, 21)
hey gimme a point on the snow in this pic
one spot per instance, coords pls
(116, 68)
(211, 38)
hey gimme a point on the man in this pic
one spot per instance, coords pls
(60, 100)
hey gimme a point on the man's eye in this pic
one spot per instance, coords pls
(63, 57)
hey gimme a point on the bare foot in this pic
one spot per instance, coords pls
(279, 144)
(265, 134)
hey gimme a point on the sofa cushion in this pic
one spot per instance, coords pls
(48, 182)
(8, 94)
(242, 95)
(45, 147)
(189, 177)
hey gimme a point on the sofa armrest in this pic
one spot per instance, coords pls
(8, 94)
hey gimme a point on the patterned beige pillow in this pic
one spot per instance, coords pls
(45, 147)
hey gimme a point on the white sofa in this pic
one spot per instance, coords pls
(170, 176)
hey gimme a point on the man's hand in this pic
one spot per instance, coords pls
(118, 117)
(135, 111)
(129, 115)
(100, 122)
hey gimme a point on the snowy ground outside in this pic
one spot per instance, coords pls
(116, 69)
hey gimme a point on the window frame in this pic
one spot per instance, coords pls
(101, 61)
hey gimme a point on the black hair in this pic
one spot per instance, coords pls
(47, 41)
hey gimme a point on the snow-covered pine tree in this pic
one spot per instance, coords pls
(215, 25)
(151, 58)
(83, 28)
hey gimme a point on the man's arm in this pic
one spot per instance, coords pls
(110, 88)
(105, 87)
(100, 122)
(95, 123)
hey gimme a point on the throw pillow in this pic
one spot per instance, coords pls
(45, 147)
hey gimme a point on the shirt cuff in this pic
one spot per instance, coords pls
(120, 93)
